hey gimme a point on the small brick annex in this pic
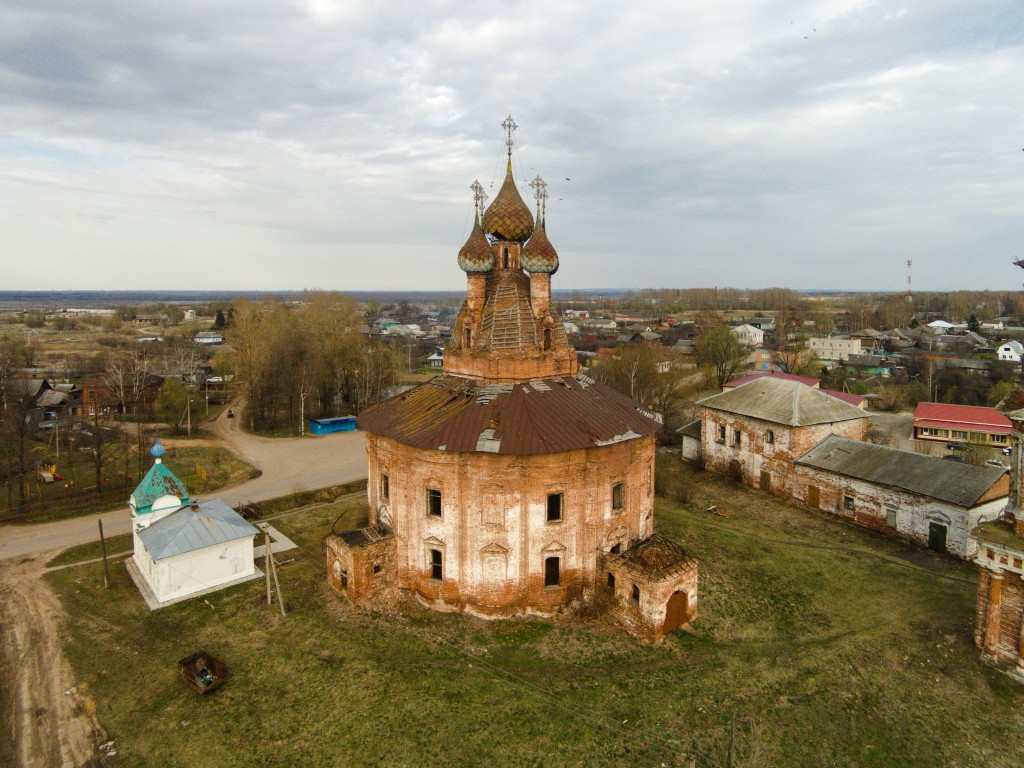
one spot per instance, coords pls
(511, 485)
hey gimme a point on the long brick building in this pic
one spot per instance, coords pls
(511, 484)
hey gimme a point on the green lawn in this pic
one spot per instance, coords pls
(832, 646)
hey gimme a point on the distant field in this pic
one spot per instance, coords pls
(832, 646)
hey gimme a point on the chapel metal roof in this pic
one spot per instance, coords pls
(451, 413)
(783, 402)
(189, 529)
(158, 482)
(953, 482)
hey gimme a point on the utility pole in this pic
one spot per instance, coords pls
(188, 415)
(266, 558)
(103, 548)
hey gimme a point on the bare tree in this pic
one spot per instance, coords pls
(719, 350)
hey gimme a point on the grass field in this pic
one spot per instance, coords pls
(831, 646)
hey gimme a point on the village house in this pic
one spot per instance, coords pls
(513, 485)
(137, 398)
(941, 422)
(749, 335)
(183, 547)
(834, 348)
(1012, 351)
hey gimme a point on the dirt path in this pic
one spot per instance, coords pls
(52, 727)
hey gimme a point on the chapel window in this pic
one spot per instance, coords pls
(385, 487)
(617, 496)
(635, 597)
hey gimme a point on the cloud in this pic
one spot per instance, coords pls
(332, 143)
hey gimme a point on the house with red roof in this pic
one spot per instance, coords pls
(942, 422)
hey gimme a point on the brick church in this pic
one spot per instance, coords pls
(512, 484)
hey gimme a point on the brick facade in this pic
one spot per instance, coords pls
(493, 533)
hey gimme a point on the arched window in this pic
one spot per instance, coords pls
(552, 575)
(547, 339)
(504, 258)
(469, 337)
(636, 595)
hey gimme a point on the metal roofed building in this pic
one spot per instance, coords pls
(754, 432)
(962, 423)
(920, 497)
(498, 487)
(184, 547)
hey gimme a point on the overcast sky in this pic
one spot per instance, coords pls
(198, 144)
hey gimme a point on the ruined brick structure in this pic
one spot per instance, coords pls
(792, 440)
(999, 620)
(510, 485)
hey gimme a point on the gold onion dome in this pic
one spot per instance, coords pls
(508, 217)
(540, 255)
(476, 255)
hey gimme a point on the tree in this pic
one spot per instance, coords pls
(219, 322)
(171, 402)
(640, 371)
(719, 350)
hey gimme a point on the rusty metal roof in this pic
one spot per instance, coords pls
(953, 482)
(357, 538)
(451, 413)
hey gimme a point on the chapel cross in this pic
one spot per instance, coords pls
(510, 128)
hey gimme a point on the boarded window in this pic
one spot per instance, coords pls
(504, 258)
(385, 487)
(436, 568)
(554, 507)
(551, 571)
(618, 492)
(433, 502)
(891, 512)
(635, 596)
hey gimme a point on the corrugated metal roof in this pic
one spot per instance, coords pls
(783, 402)
(188, 530)
(452, 413)
(954, 482)
(966, 415)
(810, 381)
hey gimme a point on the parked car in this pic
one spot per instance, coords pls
(1001, 464)
(956, 445)
(1007, 451)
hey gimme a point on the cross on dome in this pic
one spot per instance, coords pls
(479, 196)
(510, 128)
(540, 194)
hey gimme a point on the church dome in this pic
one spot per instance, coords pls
(540, 255)
(476, 255)
(508, 217)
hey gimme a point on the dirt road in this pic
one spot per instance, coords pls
(53, 728)
(288, 465)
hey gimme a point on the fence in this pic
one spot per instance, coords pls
(86, 500)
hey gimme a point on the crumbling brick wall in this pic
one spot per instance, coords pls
(493, 534)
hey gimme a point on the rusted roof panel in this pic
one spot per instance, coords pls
(451, 413)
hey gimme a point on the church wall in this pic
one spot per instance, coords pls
(493, 533)
(645, 616)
